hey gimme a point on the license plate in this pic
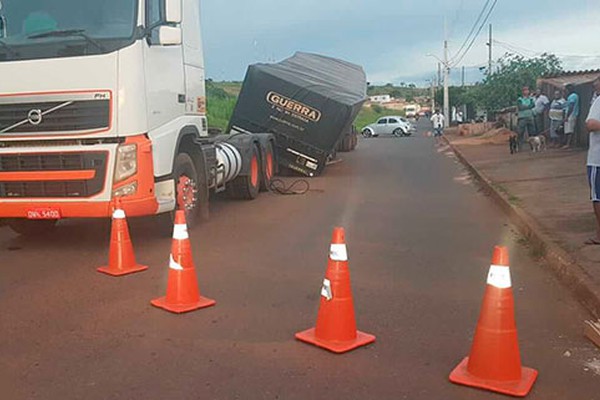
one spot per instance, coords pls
(43, 213)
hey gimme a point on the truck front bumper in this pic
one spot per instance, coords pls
(134, 207)
(79, 182)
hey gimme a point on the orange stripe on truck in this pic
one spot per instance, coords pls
(36, 176)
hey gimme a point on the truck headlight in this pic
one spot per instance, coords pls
(126, 162)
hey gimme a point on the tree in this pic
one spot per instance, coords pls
(501, 89)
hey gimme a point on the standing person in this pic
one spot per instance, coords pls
(557, 117)
(525, 106)
(438, 125)
(596, 93)
(541, 107)
(593, 162)
(572, 115)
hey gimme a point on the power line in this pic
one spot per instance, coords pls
(521, 50)
(485, 6)
(478, 32)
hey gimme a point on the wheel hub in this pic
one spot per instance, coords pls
(187, 193)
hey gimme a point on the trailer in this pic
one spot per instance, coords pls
(308, 102)
(106, 102)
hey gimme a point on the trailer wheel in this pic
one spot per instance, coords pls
(27, 227)
(247, 187)
(269, 168)
(354, 141)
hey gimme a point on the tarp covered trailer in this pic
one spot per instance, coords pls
(307, 101)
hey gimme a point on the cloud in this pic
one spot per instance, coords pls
(390, 38)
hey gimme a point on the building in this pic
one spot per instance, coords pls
(383, 98)
(582, 80)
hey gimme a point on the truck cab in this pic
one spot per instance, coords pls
(103, 100)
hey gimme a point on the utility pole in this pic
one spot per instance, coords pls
(439, 79)
(489, 43)
(433, 87)
(463, 76)
(446, 95)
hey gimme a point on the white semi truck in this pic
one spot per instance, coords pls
(105, 99)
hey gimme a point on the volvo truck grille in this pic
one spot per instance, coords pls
(94, 163)
(54, 116)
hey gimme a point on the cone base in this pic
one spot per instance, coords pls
(203, 302)
(519, 388)
(117, 272)
(309, 337)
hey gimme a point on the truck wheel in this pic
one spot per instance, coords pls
(346, 144)
(27, 227)
(247, 187)
(269, 168)
(186, 188)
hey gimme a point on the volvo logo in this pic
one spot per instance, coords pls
(35, 117)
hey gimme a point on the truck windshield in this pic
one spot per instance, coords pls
(32, 29)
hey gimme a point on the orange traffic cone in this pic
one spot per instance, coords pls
(183, 294)
(495, 363)
(121, 258)
(336, 324)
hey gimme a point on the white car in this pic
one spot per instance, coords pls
(390, 125)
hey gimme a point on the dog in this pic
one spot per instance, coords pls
(537, 143)
(513, 144)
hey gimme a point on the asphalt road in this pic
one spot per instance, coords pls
(420, 237)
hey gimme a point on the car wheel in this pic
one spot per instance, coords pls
(398, 132)
(367, 133)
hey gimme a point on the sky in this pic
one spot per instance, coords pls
(395, 40)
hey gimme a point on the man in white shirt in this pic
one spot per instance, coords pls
(593, 161)
(541, 106)
(437, 120)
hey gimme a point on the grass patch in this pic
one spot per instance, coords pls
(219, 103)
(512, 199)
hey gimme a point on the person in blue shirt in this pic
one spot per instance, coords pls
(525, 122)
(572, 113)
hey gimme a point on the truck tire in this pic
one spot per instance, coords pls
(354, 141)
(27, 227)
(346, 144)
(269, 168)
(247, 187)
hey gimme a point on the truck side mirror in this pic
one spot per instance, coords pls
(173, 11)
(169, 36)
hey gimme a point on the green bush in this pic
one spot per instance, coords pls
(220, 105)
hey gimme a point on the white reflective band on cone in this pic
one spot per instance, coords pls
(119, 214)
(499, 276)
(326, 289)
(338, 252)
(180, 232)
(174, 264)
